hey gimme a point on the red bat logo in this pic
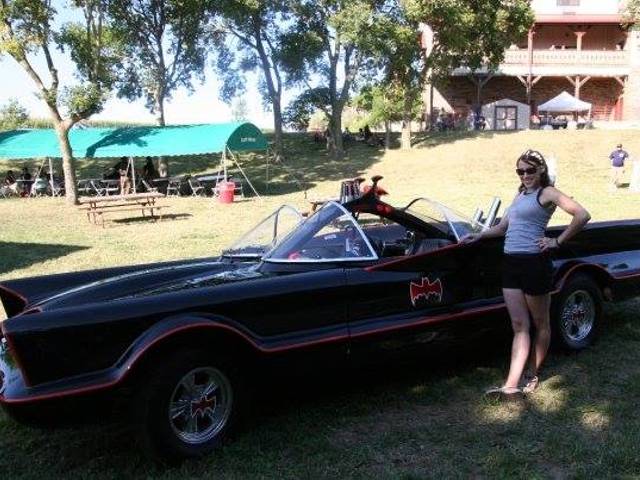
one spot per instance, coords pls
(426, 289)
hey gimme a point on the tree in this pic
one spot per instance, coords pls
(299, 112)
(631, 12)
(13, 115)
(470, 34)
(166, 48)
(328, 43)
(27, 29)
(254, 31)
(385, 103)
(239, 110)
(398, 54)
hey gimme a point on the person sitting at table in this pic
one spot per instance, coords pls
(9, 184)
(149, 170)
(123, 171)
(163, 168)
(26, 182)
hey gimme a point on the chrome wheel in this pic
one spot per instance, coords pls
(200, 405)
(578, 315)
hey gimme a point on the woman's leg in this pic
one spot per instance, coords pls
(538, 306)
(519, 313)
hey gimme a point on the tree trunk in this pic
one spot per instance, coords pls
(338, 146)
(335, 125)
(278, 146)
(159, 109)
(387, 135)
(405, 142)
(68, 167)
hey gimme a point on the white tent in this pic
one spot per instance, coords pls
(506, 114)
(565, 102)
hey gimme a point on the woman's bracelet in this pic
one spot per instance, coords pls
(557, 242)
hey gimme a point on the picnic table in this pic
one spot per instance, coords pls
(98, 207)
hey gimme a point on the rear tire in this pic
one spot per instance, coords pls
(576, 313)
(187, 406)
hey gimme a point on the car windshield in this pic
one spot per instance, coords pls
(445, 219)
(329, 235)
(266, 235)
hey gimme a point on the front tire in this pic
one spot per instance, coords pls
(187, 406)
(576, 313)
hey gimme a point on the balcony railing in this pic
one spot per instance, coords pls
(568, 57)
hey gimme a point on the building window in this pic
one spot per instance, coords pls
(568, 3)
(506, 118)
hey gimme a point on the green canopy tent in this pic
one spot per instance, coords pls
(143, 141)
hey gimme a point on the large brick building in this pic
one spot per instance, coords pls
(580, 46)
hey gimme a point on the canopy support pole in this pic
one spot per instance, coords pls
(267, 172)
(53, 189)
(131, 165)
(237, 164)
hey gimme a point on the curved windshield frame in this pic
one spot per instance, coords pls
(444, 218)
(331, 234)
(266, 235)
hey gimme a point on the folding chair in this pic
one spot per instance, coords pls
(99, 189)
(39, 188)
(147, 186)
(197, 188)
(173, 188)
(85, 187)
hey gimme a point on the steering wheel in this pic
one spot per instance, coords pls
(412, 242)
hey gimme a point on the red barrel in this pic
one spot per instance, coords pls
(226, 191)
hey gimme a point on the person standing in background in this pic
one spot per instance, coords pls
(617, 157)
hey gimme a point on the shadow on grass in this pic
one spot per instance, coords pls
(17, 255)
(434, 139)
(398, 420)
(147, 219)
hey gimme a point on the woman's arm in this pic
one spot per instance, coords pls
(497, 230)
(569, 205)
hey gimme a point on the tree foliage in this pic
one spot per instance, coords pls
(631, 12)
(326, 48)
(166, 48)
(13, 115)
(254, 33)
(299, 112)
(27, 30)
(469, 33)
(239, 110)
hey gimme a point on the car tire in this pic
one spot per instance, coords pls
(187, 406)
(576, 313)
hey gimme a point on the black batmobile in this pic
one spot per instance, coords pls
(355, 280)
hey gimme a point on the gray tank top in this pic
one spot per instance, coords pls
(527, 223)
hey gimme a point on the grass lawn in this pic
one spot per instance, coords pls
(423, 420)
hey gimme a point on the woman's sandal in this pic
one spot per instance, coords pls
(504, 393)
(530, 384)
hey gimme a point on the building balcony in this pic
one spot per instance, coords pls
(567, 62)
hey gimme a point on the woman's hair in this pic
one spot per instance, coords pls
(535, 159)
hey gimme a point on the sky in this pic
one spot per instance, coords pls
(201, 106)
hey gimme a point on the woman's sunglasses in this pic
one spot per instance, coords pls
(528, 171)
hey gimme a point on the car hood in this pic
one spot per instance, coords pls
(91, 286)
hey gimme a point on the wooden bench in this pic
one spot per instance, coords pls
(106, 209)
(145, 203)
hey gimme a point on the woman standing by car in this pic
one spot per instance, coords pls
(527, 269)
